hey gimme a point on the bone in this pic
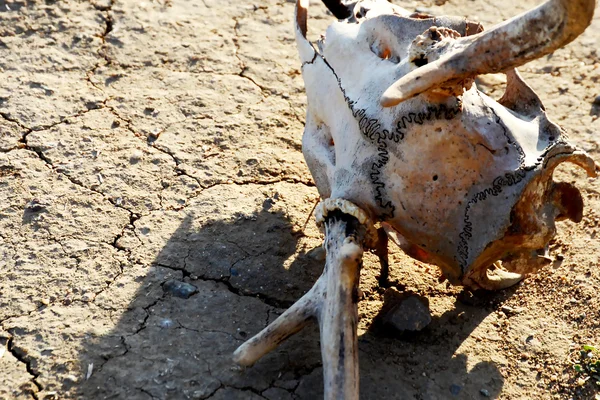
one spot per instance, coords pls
(497, 279)
(290, 322)
(305, 50)
(515, 42)
(339, 316)
(333, 301)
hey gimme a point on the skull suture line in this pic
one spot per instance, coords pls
(434, 166)
(396, 132)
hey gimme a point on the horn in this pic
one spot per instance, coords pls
(515, 42)
(338, 8)
(305, 49)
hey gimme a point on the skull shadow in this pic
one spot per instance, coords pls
(165, 346)
(245, 271)
(433, 357)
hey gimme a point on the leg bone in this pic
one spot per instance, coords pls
(333, 301)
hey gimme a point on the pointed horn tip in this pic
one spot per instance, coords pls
(302, 16)
(391, 98)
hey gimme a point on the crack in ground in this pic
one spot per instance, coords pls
(146, 392)
(21, 356)
(102, 51)
(237, 44)
(132, 215)
(265, 91)
(237, 183)
(268, 300)
(148, 313)
(137, 331)
(129, 127)
(249, 389)
(99, 367)
(15, 121)
(262, 182)
(243, 68)
(92, 106)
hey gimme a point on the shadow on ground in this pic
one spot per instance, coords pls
(167, 346)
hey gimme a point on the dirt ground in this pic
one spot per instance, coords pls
(146, 142)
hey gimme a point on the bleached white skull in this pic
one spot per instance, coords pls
(397, 132)
(396, 126)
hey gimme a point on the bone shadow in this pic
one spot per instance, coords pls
(167, 347)
(157, 350)
(448, 374)
(424, 365)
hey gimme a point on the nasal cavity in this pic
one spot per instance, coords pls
(420, 61)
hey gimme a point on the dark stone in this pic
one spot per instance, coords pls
(408, 315)
(179, 289)
(455, 389)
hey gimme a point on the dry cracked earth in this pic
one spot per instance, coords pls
(148, 144)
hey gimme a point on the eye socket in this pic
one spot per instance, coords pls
(420, 61)
(384, 52)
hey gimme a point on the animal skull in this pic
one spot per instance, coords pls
(460, 180)
(398, 133)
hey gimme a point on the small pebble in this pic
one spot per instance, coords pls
(179, 289)
(508, 311)
(154, 134)
(455, 389)
(485, 392)
(36, 205)
(136, 156)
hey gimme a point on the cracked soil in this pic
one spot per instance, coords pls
(142, 142)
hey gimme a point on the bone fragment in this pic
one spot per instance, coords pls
(497, 279)
(333, 301)
(515, 42)
(290, 322)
